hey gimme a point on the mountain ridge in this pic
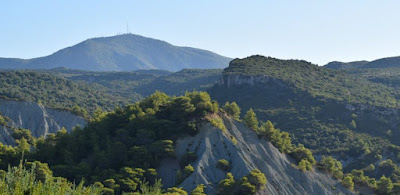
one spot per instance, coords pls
(125, 52)
(387, 62)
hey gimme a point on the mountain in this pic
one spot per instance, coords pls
(125, 52)
(345, 65)
(390, 62)
(384, 63)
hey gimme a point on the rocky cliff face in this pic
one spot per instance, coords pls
(250, 152)
(35, 117)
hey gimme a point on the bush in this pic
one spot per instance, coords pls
(199, 190)
(18, 180)
(186, 172)
(218, 122)
(301, 153)
(2, 121)
(188, 158)
(255, 181)
(348, 182)
(223, 165)
(304, 165)
(232, 110)
(384, 185)
(257, 178)
(332, 166)
(250, 119)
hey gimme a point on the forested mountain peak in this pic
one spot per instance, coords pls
(258, 65)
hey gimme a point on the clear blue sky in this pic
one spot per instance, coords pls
(316, 31)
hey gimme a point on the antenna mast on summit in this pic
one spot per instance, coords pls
(127, 28)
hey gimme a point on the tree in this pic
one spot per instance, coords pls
(257, 178)
(300, 153)
(353, 124)
(232, 110)
(348, 182)
(80, 111)
(305, 165)
(199, 190)
(387, 167)
(268, 129)
(223, 165)
(246, 187)
(250, 119)
(384, 185)
(2, 120)
(176, 191)
(23, 145)
(226, 186)
(396, 188)
(332, 165)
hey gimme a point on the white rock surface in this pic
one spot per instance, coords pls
(250, 152)
(35, 117)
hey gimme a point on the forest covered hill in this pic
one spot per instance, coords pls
(329, 111)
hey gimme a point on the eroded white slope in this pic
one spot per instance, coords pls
(35, 117)
(250, 152)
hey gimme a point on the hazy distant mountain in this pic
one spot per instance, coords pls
(345, 65)
(390, 62)
(122, 53)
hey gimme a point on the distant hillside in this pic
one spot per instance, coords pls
(56, 92)
(390, 62)
(138, 84)
(122, 53)
(345, 65)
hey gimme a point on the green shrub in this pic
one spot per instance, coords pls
(332, 166)
(257, 178)
(250, 119)
(199, 190)
(186, 172)
(218, 122)
(223, 165)
(232, 110)
(304, 165)
(348, 182)
(188, 158)
(19, 181)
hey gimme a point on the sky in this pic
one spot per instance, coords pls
(318, 31)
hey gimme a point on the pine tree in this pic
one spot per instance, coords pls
(384, 185)
(233, 110)
(250, 119)
(348, 182)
